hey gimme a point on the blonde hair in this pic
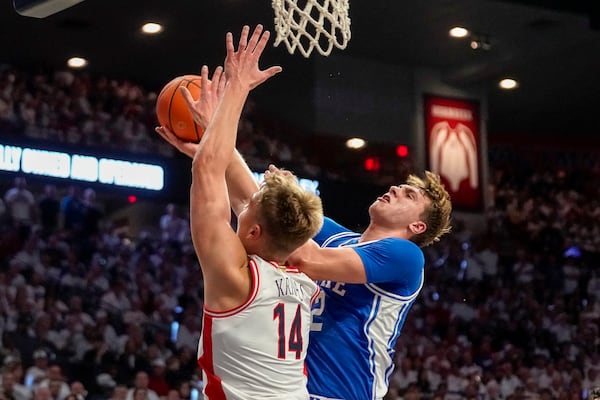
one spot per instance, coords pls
(437, 215)
(290, 214)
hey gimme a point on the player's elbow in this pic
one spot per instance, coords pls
(208, 162)
(204, 163)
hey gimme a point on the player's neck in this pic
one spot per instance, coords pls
(378, 232)
(272, 256)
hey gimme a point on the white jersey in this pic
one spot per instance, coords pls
(257, 350)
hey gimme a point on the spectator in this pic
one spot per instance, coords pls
(49, 210)
(157, 380)
(184, 389)
(78, 390)
(39, 370)
(130, 361)
(73, 210)
(508, 380)
(92, 213)
(55, 381)
(140, 389)
(189, 332)
(531, 389)
(173, 226)
(20, 203)
(523, 269)
(116, 299)
(119, 393)
(12, 389)
(42, 393)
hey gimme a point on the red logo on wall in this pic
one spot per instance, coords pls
(452, 128)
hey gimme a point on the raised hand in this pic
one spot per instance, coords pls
(211, 91)
(241, 65)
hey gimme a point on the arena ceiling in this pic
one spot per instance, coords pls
(552, 47)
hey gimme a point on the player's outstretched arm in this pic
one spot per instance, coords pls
(219, 250)
(340, 264)
(240, 181)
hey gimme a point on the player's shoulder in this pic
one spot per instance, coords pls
(396, 242)
(395, 249)
(333, 233)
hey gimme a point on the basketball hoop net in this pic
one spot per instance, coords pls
(310, 24)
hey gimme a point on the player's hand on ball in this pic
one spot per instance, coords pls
(187, 148)
(204, 108)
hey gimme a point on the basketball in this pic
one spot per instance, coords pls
(172, 110)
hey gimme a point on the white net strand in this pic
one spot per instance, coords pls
(297, 27)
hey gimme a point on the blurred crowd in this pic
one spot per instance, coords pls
(76, 109)
(510, 311)
(86, 310)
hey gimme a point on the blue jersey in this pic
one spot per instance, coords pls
(355, 326)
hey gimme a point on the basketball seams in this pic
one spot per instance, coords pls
(172, 110)
(173, 93)
(191, 82)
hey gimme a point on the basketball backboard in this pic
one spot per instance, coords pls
(42, 8)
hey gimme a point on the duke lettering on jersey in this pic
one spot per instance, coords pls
(336, 287)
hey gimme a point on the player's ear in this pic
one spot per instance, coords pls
(255, 232)
(417, 227)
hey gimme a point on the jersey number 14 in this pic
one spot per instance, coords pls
(288, 341)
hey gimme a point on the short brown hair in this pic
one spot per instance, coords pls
(290, 214)
(437, 215)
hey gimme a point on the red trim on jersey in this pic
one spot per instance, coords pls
(213, 388)
(254, 291)
(314, 296)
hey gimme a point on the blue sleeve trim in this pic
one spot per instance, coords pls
(330, 228)
(392, 260)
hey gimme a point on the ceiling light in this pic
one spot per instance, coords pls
(508, 84)
(355, 143)
(480, 42)
(152, 28)
(459, 32)
(77, 62)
